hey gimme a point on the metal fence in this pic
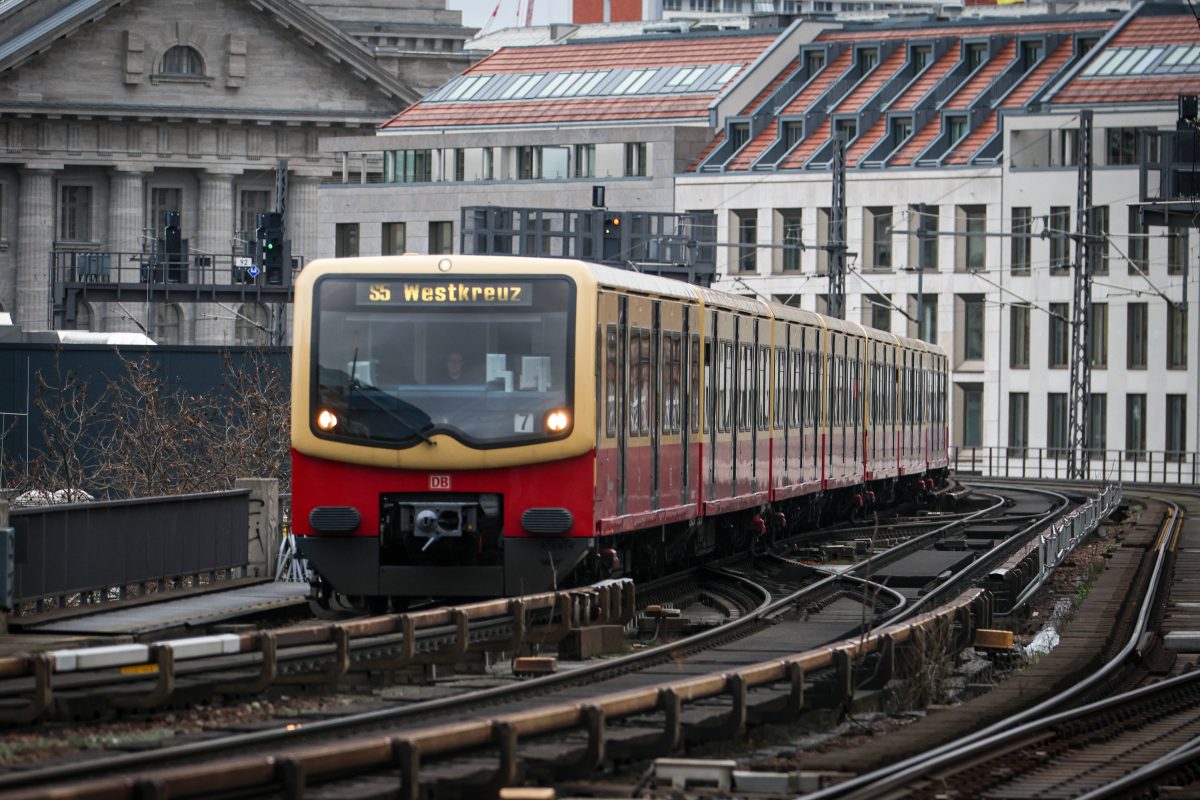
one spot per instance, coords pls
(1126, 466)
(56, 552)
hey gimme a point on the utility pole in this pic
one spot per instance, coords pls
(1079, 411)
(837, 231)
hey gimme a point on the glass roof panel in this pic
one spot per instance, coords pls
(1174, 56)
(1114, 62)
(1129, 63)
(1099, 62)
(627, 81)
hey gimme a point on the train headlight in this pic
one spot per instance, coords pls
(327, 420)
(558, 420)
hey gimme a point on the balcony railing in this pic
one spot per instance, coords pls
(1126, 466)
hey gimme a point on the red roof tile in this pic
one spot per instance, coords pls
(771, 87)
(866, 141)
(713, 145)
(972, 31)
(686, 51)
(917, 143)
(806, 148)
(1146, 30)
(1041, 73)
(1142, 88)
(872, 82)
(969, 91)
(985, 131)
(593, 109)
(932, 74)
(817, 86)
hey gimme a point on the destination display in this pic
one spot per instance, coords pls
(447, 293)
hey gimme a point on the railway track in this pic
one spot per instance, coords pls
(805, 649)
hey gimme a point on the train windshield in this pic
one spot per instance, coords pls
(486, 360)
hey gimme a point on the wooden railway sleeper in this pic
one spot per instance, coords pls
(330, 673)
(553, 632)
(504, 735)
(594, 752)
(462, 642)
(732, 724)
(786, 709)
(164, 684)
(408, 648)
(407, 755)
(43, 692)
(268, 670)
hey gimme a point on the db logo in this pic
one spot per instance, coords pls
(439, 482)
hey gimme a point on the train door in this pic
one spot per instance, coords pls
(639, 463)
(610, 382)
(688, 391)
(655, 404)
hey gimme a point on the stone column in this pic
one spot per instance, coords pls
(302, 216)
(126, 226)
(35, 239)
(214, 323)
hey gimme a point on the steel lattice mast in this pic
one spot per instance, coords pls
(1079, 411)
(837, 231)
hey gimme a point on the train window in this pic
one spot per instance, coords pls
(673, 377)
(745, 386)
(646, 370)
(635, 394)
(764, 388)
(727, 373)
(694, 384)
(610, 380)
(780, 395)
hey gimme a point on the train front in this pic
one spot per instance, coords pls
(443, 425)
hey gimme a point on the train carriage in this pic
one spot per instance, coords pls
(469, 425)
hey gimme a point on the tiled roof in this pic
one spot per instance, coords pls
(932, 74)
(917, 143)
(866, 141)
(807, 147)
(872, 82)
(982, 77)
(673, 52)
(645, 53)
(1015, 99)
(592, 109)
(1147, 31)
(965, 31)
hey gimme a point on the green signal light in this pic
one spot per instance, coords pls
(270, 245)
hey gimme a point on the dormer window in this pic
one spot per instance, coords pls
(739, 133)
(868, 59)
(182, 61)
(921, 56)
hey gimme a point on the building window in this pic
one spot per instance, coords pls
(739, 134)
(1060, 335)
(972, 221)
(1097, 425)
(973, 320)
(1098, 346)
(976, 55)
(1123, 146)
(1018, 341)
(1176, 426)
(1135, 427)
(1139, 244)
(793, 132)
(585, 161)
(252, 203)
(253, 325)
(1176, 337)
(489, 164)
(1099, 248)
(394, 239)
(878, 311)
(635, 159)
(921, 56)
(346, 245)
(408, 166)
(75, 214)
(878, 222)
(1031, 53)
(972, 414)
(1059, 224)
(166, 326)
(1135, 335)
(792, 240)
(1056, 423)
(1023, 226)
(1177, 249)
(747, 233)
(901, 130)
(1018, 424)
(441, 238)
(814, 60)
(460, 164)
(182, 60)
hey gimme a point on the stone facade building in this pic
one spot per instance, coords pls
(112, 113)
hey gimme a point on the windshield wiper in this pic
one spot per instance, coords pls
(391, 413)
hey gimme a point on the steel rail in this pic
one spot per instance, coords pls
(895, 775)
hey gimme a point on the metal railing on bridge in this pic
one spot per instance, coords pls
(1125, 466)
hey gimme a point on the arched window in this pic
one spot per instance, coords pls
(167, 324)
(83, 317)
(182, 60)
(253, 325)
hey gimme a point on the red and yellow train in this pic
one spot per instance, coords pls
(484, 425)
